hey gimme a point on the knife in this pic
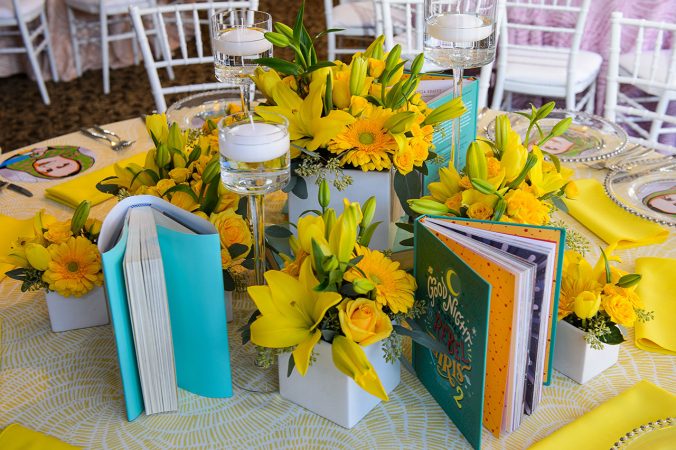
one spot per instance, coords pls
(16, 188)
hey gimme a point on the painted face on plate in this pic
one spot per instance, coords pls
(557, 145)
(57, 166)
(664, 203)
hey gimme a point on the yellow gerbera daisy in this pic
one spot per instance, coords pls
(394, 287)
(365, 143)
(75, 267)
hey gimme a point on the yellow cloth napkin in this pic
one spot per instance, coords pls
(18, 437)
(11, 229)
(596, 211)
(657, 289)
(72, 193)
(601, 427)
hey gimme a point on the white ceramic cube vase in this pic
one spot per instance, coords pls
(364, 185)
(326, 391)
(71, 313)
(574, 358)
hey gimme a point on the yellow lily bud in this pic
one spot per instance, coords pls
(310, 227)
(93, 227)
(424, 206)
(349, 358)
(80, 217)
(157, 125)
(400, 122)
(358, 69)
(363, 286)
(150, 161)
(324, 194)
(369, 211)
(341, 89)
(265, 81)
(587, 304)
(476, 162)
(375, 67)
(329, 221)
(37, 256)
(375, 50)
(162, 156)
(344, 235)
(179, 160)
(571, 190)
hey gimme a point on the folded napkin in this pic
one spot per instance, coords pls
(11, 229)
(601, 427)
(657, 289)
(73, 192)
(18, 437)
(596, 211)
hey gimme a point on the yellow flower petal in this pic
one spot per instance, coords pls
(303, 352)
(351, 360)
(276, 332)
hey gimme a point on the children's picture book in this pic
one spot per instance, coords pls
(519, 263)
(164, 284)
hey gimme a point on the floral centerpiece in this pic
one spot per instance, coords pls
(502, 180)
(184, 169)
(59, 256)
(333, 288)
(598, 299)
(364, 115)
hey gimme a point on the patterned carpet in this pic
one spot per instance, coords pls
(24, 119)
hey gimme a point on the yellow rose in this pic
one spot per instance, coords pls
(226, 259)
(232, 229)
(629, 293)
(363, 321)
(586, 304)
(180, 174)
(376, 67)
(620, 309)
(524, 207)
(403, 160)
(184, 201)
(479, 210)
(226, 199)
(58, 232)
(454, 202)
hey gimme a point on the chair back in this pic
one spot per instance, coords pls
(410, 33)
(519, 18)
(652, 69)
(184, 20)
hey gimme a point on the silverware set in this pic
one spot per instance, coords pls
(116, 142)
(16, 188)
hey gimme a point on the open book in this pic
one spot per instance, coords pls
(164, 285)
(492, 293)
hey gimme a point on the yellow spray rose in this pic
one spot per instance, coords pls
(179, 174)
(58, 232)
(620, 309)
(363, 321)
(586, 304)
(232, 229)
(479, 210)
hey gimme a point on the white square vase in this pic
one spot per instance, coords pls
(364, 185)
(574, 358)
(71, 313)
(326, 391)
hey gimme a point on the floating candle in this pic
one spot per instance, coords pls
(254, 142)
(459, 28)
(242, 42)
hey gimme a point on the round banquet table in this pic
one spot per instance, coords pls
(68, 385)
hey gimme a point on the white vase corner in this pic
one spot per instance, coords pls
(72, 313)
(327, 392)
(576, 359)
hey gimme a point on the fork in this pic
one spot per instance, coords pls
(114, 141)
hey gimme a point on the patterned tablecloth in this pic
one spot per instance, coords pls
(68, 384)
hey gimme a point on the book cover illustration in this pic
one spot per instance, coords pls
(457, 315)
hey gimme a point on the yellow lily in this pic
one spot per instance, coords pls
(344, 233)
(448, 184)
(350, 359)
(544, 181)
(310, 227)
(514, 155)
(266, 81)
(307, 127)
(472, 196)
(291, 311)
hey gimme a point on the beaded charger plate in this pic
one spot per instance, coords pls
(195, 110)
(589, 137)
(657, 435)
(646, 188)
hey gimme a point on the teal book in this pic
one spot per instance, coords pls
(190, 256)
(437, 90)
(458, 302)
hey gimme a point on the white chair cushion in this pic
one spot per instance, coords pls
(360, 14)
(29, 9)
(527, 68)
(645, 69)
(112, 6)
